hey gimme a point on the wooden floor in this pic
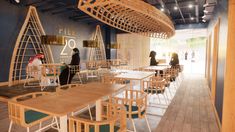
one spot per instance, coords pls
(189, 111)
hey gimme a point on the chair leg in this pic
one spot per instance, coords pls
(90, 112)
(133, 123)
(40, 126)
(147, 122)
(57, 124)
(10, 126)
(27, 129)
(68, 78)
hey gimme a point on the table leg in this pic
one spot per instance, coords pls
(141, 85)
(63, 124)
(98, 110)
(131, 84)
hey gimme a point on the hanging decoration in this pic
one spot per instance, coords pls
(133, 16)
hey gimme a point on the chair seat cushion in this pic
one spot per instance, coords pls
(51, 75)
(31, 116)
(153, 91)
(105, 128)
(134, 109)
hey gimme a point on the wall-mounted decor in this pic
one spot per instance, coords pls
(133, 16)
(28, 44)
(90, 43)
(97, 52)
(52, 40)
(115, 46)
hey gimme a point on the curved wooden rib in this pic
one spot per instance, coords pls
(134, 16)
(28, 44)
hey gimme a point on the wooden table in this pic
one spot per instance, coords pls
(64, 102)
(157, 68)
(135, 75)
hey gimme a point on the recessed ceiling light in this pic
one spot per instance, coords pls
(192, 18)
(190, 6)
(175, 7)
(162, 9)
(203, 20)
(17, 1)
(204, 16)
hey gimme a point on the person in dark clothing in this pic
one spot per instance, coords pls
(174, 60)
(186, 55)
(65, 72)
(153, 61)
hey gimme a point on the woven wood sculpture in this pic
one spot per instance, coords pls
(27, 45)
(133, 16)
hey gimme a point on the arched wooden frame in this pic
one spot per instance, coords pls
(99, 52)
(28, 41)
(134, 16)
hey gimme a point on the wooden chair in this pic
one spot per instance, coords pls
(69, 86)
(156, 85)
(74, 69)
(50, 75)
(32, 74)
(27, 118)
(136, 105)
(107, 78)
(92, 69)
(113, 120)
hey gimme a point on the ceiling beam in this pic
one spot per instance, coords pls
(176, 2)
(196, 11)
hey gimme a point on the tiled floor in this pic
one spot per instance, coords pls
(189, 111)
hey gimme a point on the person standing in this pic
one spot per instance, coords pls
(65, 73)
(186, 55)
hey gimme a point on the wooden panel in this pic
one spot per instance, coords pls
(215, 60)
(208, 60)
(134, 48)
(228, 121)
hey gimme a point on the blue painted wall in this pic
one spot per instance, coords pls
(11, 21)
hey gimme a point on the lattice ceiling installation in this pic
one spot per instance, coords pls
(134, 16)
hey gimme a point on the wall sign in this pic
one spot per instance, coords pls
(70, 41)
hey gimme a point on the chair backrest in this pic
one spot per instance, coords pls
(172, 71)
(135, 102)
(51, 70)
(73, 69)
(115, 62)
(92, 65)
(112, 115)
(155, 85)
(33, 71)
(107, 78)
(17, 112)
(65, 87)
